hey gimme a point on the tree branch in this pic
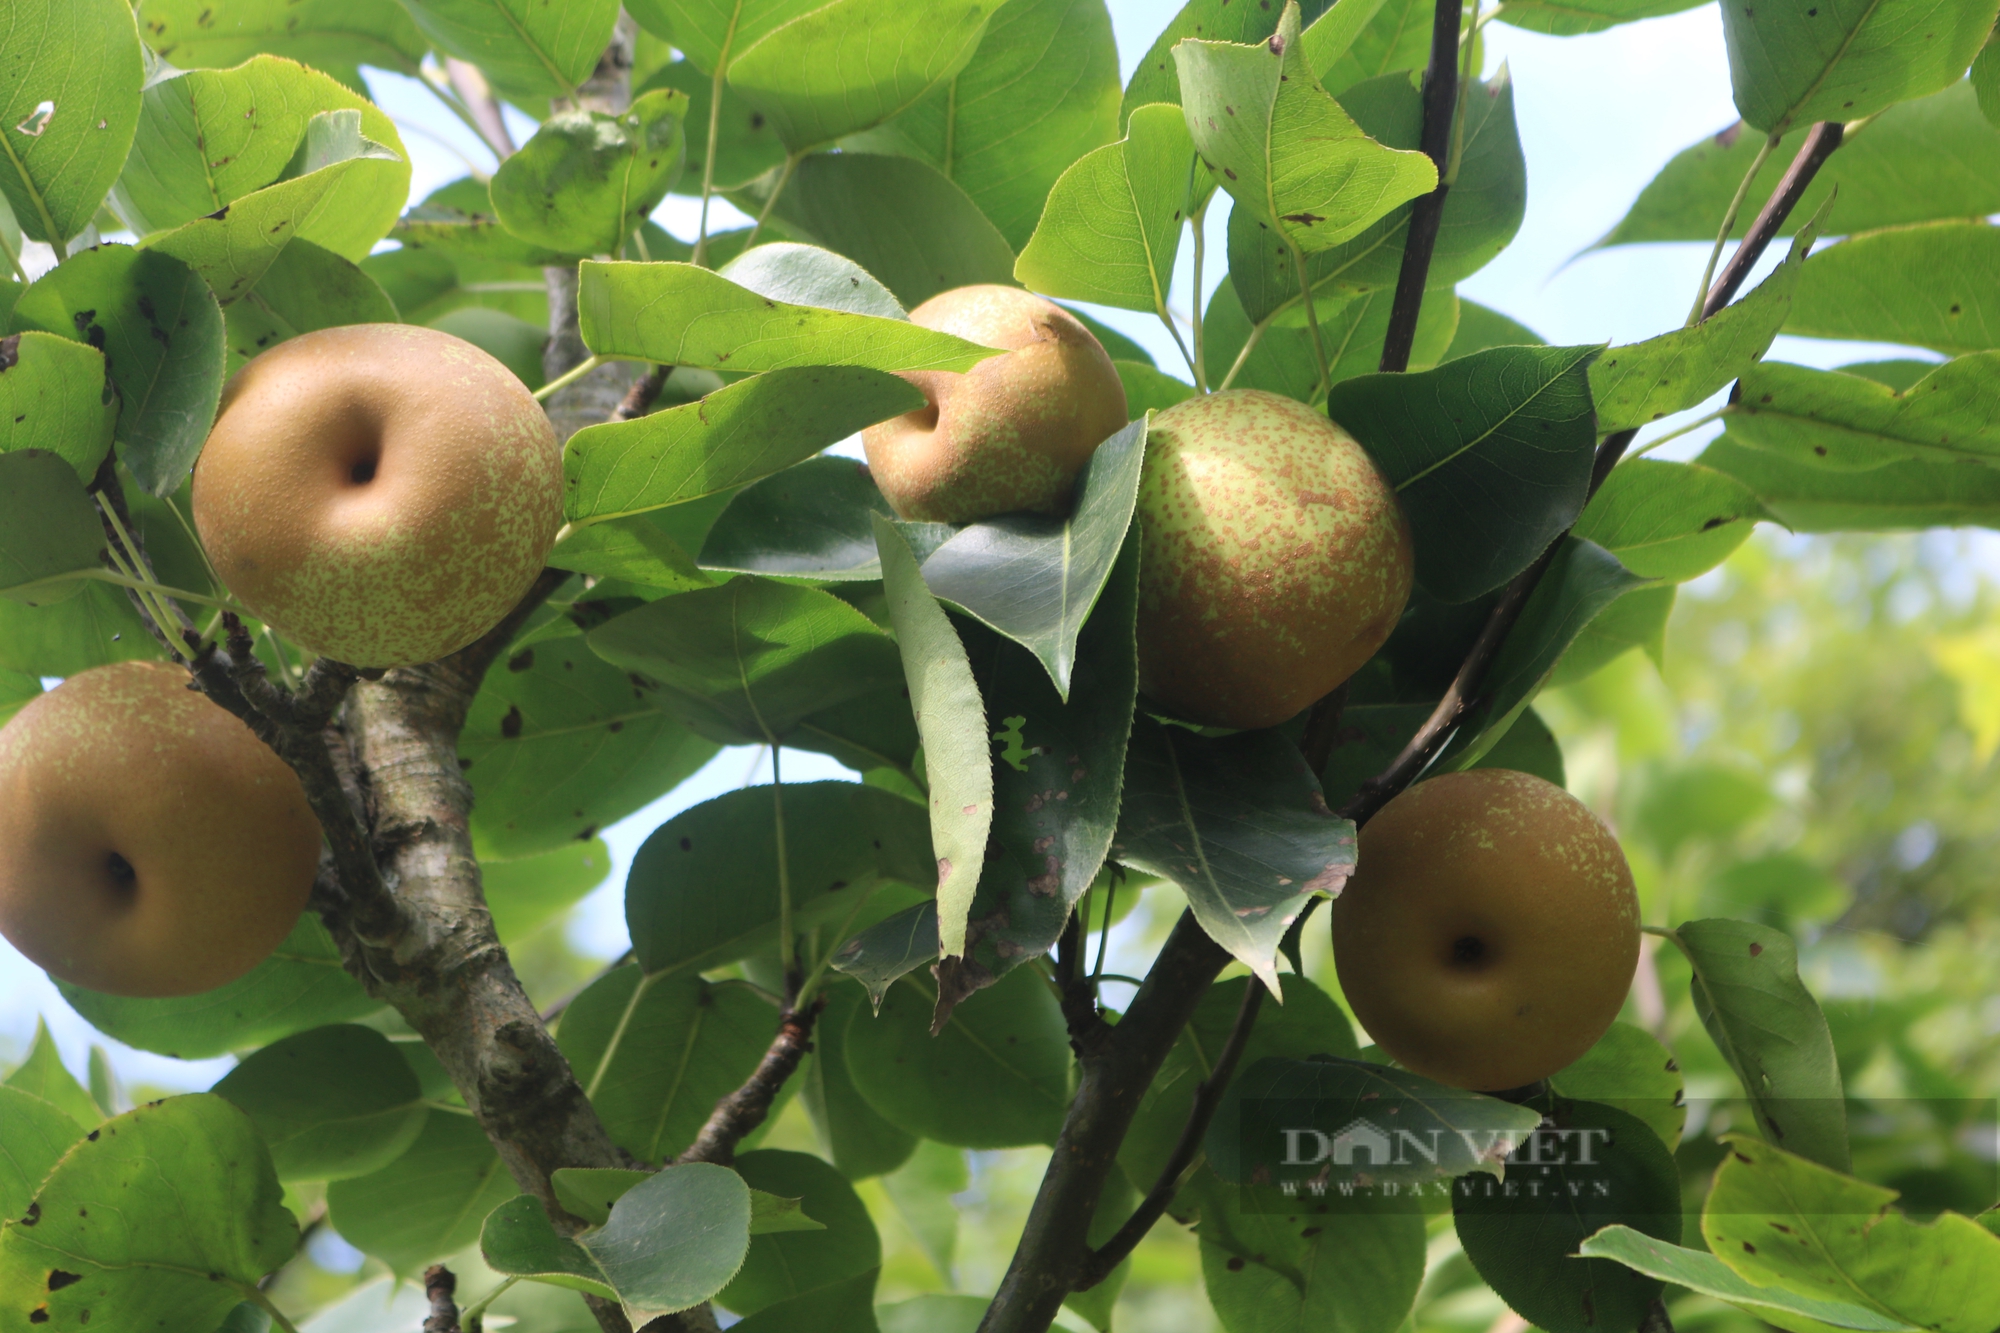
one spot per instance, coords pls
(644, 391)
(736, 1115)
(1440, 94)
(441, 1288)
(1819, 144)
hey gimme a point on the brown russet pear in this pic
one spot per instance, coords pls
(150, 844)
(381, 494)
(1490, 931)
(1273, 560)
(1011, 433)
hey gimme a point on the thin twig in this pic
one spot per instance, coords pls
(645, 390)
(1440, 95)
(441, 1289)
(480, 105)
(744, 1109)
(1729, 214)
(1820, 142)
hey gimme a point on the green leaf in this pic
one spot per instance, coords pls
(1907, 493)
(632, 549)
(1670, 520)
(852, 64)
(69, 100)
(1239, 823)
(96, 1238)
(1157, 77)
(771, 1214)
(923, 1192)
(1057, 769)
(810, 275)
(1769, 1028)
(1631, 1070)
(1571, 18)
(996, 1076)
(809, 521)
(459, 220)
(49, 531)
(738, 434)
(1787, 1222)
(1292, 1265)
(43, 1075)
(787, 1264)
(1004, 149)
(1848, 58)
(851, 1132)
(1985, 80)
(1960, 150)
(523, 48)
(1636, 620)
(34, 1134)
(1931, 286)
(55, 396)
(161, 337)
(1850, 423)
(1490, 456)
(1482, 212)
(1112, 226)
(334, 1102)
(526, 893)
(210, 137)
(1702, 1272)
(1288, 153)
(518, 1239)
(307, 288)
(1308, 1024)
(338, 36)
(1480, 327)
(301, 985)
(1281, 357)
(752, 659)
(746, 145)
(674, 1239)
(427, 1203)
(656, 1053)
(843, 1307)
(680, 315)
(951, 718)
(1396, 36)
(1597, 1166)
(560, 743)
(899, 218)
(586, 179)
(1246, 1142)
(1148, 389)
(589, 1192)
(940, 1313)
(1636, 385)
(843, 839)
(96, 626)
(1036, 579)
(887, 950)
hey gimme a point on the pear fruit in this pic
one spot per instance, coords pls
(381, 494)
(1490, 931)
(1274, 559)
(1011, 433)
(150, 844)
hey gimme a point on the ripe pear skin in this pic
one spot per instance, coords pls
(1011, 433)
(381, 494)
(1489, 933)
(1273, 558)
(150, 844)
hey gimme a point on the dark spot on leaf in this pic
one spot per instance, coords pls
(10, 353)
(687, 844)
(464, 764)
(522, 660)
(588, 832)
(1755, 948)
(1235, 1263)
(1820, 449)
(39, 1315)
(59, 1279)
(1713, 524)
(1227, 172)
(1748, 1248)
(510, 725)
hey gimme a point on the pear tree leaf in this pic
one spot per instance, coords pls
(1843, 421)
(523, 48)
(527, 892)
(810, 521)
(1670, 520)
(518, 1239)
(1771, 1031)
(746, 144)
(1150, 389)
(1112, 226)
(34, 1134)
(92, 1239)
(589, 1192)
(209, 137)
(1571, 18)
(1788, 1223)
(1930, 285)
(1395, 36)
(1240, 824)
(899, 218)
(307, 288)
(843, 841)
(736, 435)
(334, 1102)
(673, 1240)
(44, 1075)
(1702, 1272)
(1846, 58)
(852, 64)
(429, 1202)
(56, 398)
(1036, 578)
(1158, 77)
(1985, 81)
(837, 1242)
(1481, 327)
(160, 334)
(1490, 456)
(1284, 149)
(1629, 1069)
(852, 1134)
(631, 549)
(951, 718)
(773, 1214)
(680, 315)
(1806, 496)
(586, 179)
(338, 36)
(810, 275)
(69, 104)
(889, 949)
(1279, 355)
(49, 532)
(1270, 1262)
(458, 220)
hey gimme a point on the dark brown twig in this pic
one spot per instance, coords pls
(1819, 144)
(1440, 95)
(441, 1287)
(639, 399)
(744, 1109)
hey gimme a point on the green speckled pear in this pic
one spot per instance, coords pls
(1274, 558)
(381, 494)
(1011, 433)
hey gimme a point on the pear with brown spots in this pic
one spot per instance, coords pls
(150, 844)
(381, 494)
(1013, 432)
(1491, 929)
(1273, 560)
